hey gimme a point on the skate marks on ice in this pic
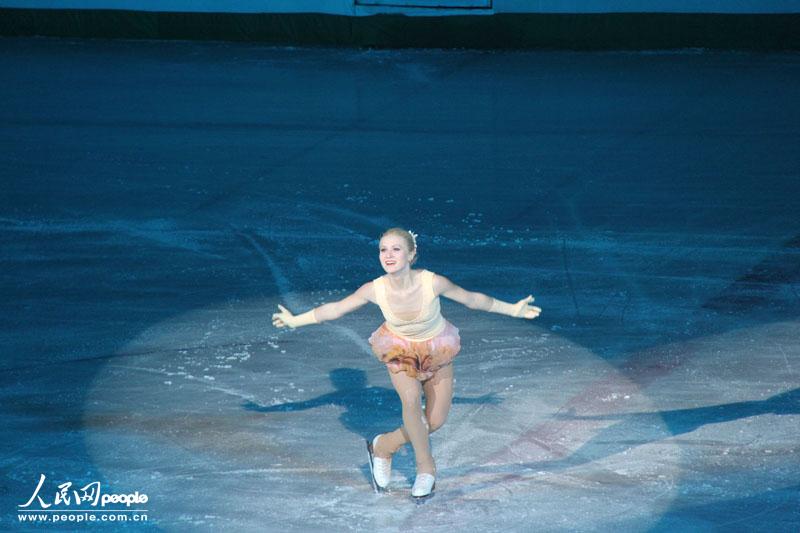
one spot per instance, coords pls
(174, 421)
(161, 232)
(175, 426)
(287, 295)
(716, 437)
(568, 432)
(502, 460)
(771, 287)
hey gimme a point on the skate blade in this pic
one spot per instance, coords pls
(370, 454)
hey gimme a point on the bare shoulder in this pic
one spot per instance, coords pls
(441, 284)
(367, 291)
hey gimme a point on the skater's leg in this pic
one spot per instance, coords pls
(391, 442)
(414, 423)
(438, 397)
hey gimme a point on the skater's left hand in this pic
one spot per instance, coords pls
(523, 309)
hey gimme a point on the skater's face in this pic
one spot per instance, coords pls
(394, 254)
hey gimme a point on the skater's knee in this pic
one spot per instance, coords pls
(435, 422)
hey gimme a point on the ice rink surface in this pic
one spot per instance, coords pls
(159, 199)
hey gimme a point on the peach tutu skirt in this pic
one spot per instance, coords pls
(417, 359)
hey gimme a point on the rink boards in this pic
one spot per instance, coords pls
(564, 24)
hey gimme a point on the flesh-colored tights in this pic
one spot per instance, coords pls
(418, 425)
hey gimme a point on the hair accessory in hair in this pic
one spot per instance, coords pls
(413, 238)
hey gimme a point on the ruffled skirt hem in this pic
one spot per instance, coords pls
(419, 360)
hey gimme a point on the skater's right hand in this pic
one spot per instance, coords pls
(286, 318)
(283, 318)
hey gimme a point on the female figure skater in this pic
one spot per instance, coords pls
(416, 343)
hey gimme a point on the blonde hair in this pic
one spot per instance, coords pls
(411, 242)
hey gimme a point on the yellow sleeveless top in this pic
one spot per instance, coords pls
(426, 325)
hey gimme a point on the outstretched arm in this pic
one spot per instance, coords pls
(483, 302)
(324, 312)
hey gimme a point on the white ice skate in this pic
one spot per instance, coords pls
(423, 485)
(380, 467)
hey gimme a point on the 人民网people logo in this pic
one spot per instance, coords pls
(90, 495)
